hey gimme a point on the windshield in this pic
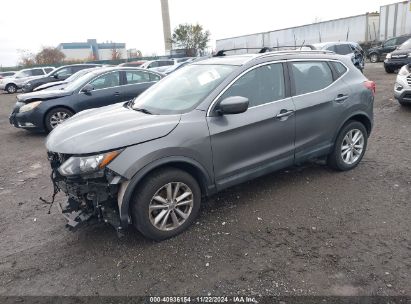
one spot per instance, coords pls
(406, 45)
(80, 81)
(78, 74)
(183, 90)
(23, 73)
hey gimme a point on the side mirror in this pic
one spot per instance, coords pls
(87, 89)
(56, 76)
(233, 105)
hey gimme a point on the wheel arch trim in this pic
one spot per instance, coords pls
(203, 178)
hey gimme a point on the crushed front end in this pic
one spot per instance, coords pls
(91, 194)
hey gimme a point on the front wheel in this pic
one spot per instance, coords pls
(56, 116)
(374, 58)
(166, 203)
(349, 147)
(11, 88)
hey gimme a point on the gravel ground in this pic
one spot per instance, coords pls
(302, 231)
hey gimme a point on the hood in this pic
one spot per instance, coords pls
(49, 85)
(42, 95)
(402, 53)
(108, 128)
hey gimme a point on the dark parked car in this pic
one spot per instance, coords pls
(351, 49)
(208, 126)
(378, 53)
(45, 110)
(59, 74)
(400, 57)
(58, 85)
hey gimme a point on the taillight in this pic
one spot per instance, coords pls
(370, 85)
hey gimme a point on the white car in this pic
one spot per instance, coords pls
(402, 87)
(12, 84)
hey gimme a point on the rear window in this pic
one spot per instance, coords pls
(310, 76)
(343, 49)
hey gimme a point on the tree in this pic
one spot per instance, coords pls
(115, 53)
(26, 58)
(49, 55)
(190, 37)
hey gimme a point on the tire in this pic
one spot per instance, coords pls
(374, 58)
(403, 103)
(340, 159)
(389, 70)
(156, 185)
(11, 88)
(59, 114)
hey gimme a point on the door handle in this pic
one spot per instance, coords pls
(284, 113)
(341, 97)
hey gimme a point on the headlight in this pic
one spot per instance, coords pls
(404, 71)
(29, 106)
(77, 165)
(388, 56)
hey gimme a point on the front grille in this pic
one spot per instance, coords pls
(409, 79)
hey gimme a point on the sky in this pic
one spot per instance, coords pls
(138, 22)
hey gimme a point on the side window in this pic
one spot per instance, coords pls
(390, 42)
(261, 85)
(154, 77)
(401, 40)
(37, 72)
(153, 65)
(76, 68)
(106, 81)
(137, 77)
(63, 72)
(343, 49)
(311, 76)
(331, 48)
(48, 70)
(339, 68)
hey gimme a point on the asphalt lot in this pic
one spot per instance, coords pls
(302, 231)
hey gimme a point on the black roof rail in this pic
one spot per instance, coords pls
(261, 50)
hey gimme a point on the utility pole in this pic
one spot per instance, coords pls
(166, 25)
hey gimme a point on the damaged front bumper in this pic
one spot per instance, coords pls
(92, 197)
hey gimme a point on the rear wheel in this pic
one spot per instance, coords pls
(166, 203)
(349, 147)
(56, 116)
(374, 58)
(11, 88)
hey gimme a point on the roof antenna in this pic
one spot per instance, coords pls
(301, 47)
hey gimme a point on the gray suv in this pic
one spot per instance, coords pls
(208, 126)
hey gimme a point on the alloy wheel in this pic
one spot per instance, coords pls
(171, 206)
(374, 58)
(58, 118)
(352, 146)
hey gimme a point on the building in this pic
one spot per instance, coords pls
(395, 20)
(91, 50)
(361, 28)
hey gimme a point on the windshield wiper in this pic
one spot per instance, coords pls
(145, 111)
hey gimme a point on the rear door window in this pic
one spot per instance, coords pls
(48, 70)
(154, 77)
(310, 76)
(340, 69)
(261, 85)
(137, 77)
